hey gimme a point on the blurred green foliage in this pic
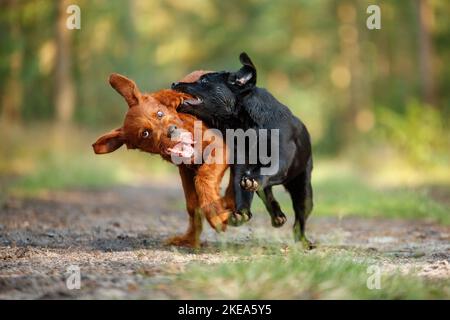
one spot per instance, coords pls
(361, 92)
(316, 56)
(419, 132)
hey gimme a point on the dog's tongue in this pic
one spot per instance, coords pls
(188, 151)
(186, 137)
(184, 147)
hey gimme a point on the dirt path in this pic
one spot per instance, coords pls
(116, 237)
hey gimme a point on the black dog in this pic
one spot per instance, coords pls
(231, 100)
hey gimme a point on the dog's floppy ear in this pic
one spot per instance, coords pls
(170, 98)
(246, 76)
(126, 88)
(109, 142)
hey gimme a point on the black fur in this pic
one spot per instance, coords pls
(231, 100)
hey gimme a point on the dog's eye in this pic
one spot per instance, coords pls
(160, 114)
(145, 134)
(204, 80)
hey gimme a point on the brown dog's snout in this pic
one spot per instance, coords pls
(171, 130)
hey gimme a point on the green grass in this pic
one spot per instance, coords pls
(322, 273)
(333, 196)
(50, 163)
(63, 172)
(350, 196)
(353, 197)
(299, 275)
(56, 171)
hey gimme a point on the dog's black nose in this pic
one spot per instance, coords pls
(171, 130)
(174, 84)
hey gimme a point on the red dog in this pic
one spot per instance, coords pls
(149, 124)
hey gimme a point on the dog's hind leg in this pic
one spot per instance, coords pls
(192, 236)
(273, 207)
(301, 193)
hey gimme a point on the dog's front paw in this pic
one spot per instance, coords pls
(278, 220)
(219, 222)
(308, 244)
(187, 240)
(249, 184)
(216, 215)
(238, 218)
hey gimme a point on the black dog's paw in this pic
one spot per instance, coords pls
(249, 184)
(308, 244)
(238, 218)
(278, 220)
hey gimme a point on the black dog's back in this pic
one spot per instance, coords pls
(268, 113)
(264, 109)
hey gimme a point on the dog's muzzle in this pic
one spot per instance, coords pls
(172, 129)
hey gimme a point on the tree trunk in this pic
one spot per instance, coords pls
(65, 92)
(13, 91)
(425, 16)
(357, 114)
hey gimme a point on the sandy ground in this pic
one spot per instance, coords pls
(115, 236)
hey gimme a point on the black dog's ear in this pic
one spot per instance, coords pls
(245, 60)
(246, 76)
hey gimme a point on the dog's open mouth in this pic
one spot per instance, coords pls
(194, 101)
(184, 148)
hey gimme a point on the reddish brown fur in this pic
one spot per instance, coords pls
(201, 183)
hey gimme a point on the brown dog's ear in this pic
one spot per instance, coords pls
(170, 98)
(127, 88)
(109, 142)
(194, 76)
